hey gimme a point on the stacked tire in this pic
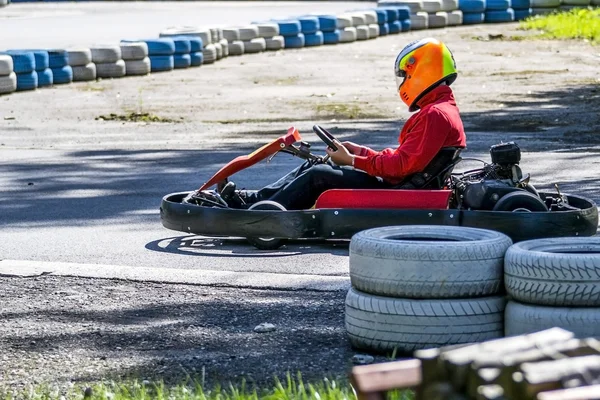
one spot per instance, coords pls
(499, 11)
(553, 282)
(415, 287)
(24, 67)
(269, 31)
(436, 18)
(348, 32)
(382, 21)
(108, 60)
(161, 53)
(135, 56)
(311, 29)
(234, 44)
(211, 52)
(58, 61)
(252, 42)
(522, 9)
(331, 33)
(398, 18)
(8, 78)
(473, 11)
(291, 30)
(80, 61)
(543, 7)
(45, 76)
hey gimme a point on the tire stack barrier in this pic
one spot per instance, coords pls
(160, 53)
(135, 56)
(42, 68)
(80, 61)
(359, 22)
(382, 21)
(543, 7)
(209, 51)
(331, 33)
(108, 60)
(252, 42)
(62, 73)
(269, 31)
(455, 16)
(196, 46)
(183, 48)
(522, 9)
(8, 78)
(24, 67)
(216, 37)
(371, 22)
(348, 32)
(499, 11)
(291, 30)
(235, 45)
(436, 18)
(429, 286)
(473, 11)
(553, 282)
(311, 29)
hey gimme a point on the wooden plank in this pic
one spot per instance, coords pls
(378, 378)
(580, 393)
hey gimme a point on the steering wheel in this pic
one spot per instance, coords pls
(325, 136)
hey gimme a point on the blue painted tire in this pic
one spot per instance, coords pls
(309, 25)
(403, 12)
(406, 25)
(294, 42)
(313, 39)
(392, 13)
(161, 63)
(289, 28)
(197, 59)
(27, 81)
(497, 5)
(473, 18)
(395, 27)
(523, 14)
(182, 45)
(182, 61)
(328, 23)
(196, 43)
(500, 16)
(471, 6)
(331, 37)
(23, 62)
(160, 47)
(58, 59)
(45, 78)
(40, 56)
(384, 29)
(382, 16)
(520, 5)
(62, 75)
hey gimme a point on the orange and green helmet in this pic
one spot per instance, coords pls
(420, 67)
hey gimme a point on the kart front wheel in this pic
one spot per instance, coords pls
(266, 243)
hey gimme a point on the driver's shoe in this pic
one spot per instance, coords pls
(231, 196)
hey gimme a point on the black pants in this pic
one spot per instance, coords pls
(300, 189)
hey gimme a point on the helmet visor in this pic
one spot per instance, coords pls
(400, 78)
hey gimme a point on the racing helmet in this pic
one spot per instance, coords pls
(421, 66)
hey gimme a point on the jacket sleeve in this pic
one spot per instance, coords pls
(422, 143)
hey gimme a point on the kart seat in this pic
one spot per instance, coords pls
(437, 173)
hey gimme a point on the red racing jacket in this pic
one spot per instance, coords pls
(437, 124)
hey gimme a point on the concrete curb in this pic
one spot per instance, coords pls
(251, 280)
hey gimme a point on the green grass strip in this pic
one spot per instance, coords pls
(579, 23)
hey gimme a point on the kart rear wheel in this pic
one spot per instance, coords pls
(520, 201)
(266, 243)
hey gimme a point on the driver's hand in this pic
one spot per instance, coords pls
(353, 148)
(342, 156)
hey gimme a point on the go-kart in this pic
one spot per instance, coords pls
(496, 196)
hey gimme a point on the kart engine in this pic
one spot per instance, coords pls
(481, 189)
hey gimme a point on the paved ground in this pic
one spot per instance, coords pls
(74, 189)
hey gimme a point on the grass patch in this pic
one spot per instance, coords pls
(135, 117)
(345, 111)
(291, 389)
(581, 23)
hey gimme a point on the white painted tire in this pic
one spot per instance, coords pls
(255, 45)
(204, 34)
(370, 17)
(224, 47)
(134, 51)
(219, 50)
(210, 54)
(373, 31)
(428, 262)
(519, 318)
(83, 73)
(348, 35)
(414, 5)
(344, 21)
(236, 48)
(419, 20)
(545, 3)
(268, 30)
(385, 323)
(432, 6)
(137, 67)
(455, 18)
(106, 54)
(248, 33)
(8, 83)
(362, 32)
(110, 70)
(79, 57)
(6, 65)
(449, 5)
(275, 43)
(216, 34)
(437, 20)
(231, 34)
(358, 19)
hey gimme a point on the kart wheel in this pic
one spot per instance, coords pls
(520, 201)
(266, 243)
(531, 189)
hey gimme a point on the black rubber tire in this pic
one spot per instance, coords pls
(555, 272)
(266, 243)
(520, 201)
(428, 262)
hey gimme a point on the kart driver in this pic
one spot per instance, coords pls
(424, 71)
